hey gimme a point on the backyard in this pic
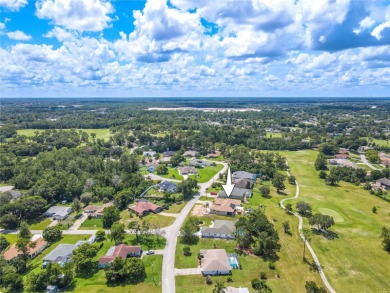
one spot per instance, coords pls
(155, 220)
(92, 224)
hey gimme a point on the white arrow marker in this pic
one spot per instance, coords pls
(228, 187)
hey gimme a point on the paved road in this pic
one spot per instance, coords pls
(172, 232)
(319, 268)
(365, 161)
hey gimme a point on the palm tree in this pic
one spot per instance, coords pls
(219, 287)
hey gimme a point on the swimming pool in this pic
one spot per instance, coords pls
(233, 261)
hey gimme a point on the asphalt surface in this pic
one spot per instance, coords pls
(172, 232)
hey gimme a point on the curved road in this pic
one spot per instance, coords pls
(319, 268)
(172, 232)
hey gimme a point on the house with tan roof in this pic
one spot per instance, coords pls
(96, 211)
(214, 262)
(187, 170)
(145, 207)
(225, 206)
(37, 246)
(124, 251)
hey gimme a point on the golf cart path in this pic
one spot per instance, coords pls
(313, 254)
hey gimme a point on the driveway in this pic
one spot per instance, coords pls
(78, 222)
(172, 232)
(186, 272)
(365, 161)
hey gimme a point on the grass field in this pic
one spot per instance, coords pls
(273, 135)
(173, 173)
(152, 219)
(353, 262)
(41, 224)
(176, 208)
(10, 237)
(100, 133)
(92, 224)
(205, 174)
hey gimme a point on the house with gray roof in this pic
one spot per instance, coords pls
(61, 254)
(167, 186)
(243, 174)
(221, 229)
(384, 183)
(237, 193)
(214, 262)
(58, 212)
(199, 163)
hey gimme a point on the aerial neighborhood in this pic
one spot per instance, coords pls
(194, 201)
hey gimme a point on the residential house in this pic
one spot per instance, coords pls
(190, 154)
(342, 163)
(220, 229)
(243, 174)
(214, 155)
(199, 163)
(244, 183)
(167, 186)
(225, 206)
(168, 154)
(144, 207)
(186, 170)
(96, 211)
(152, 168)
(122, 250)
(58, 212)
(214, 262)
(61, 254)
(149, 153)
(384, 183)
(13, 252)
(237, 193)
(385, 159)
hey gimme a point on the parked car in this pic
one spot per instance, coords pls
(150, 252)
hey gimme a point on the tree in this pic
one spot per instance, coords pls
(304, 208)
(372, 156)
(188, 230)
(131, 270)
(219, 287)
(176, 159)
(260, 286)
(100, 235)
(265, 191)
(186, 187)
(328, 149)
(162, 169)
(86, 198)
(289, 208)
(320, 163)
(312, 287)
(24, 231)
(286, 227)
(291, 179)
(12, 282)
(385, 236)
(83, 259)
(76, 205)
(374, 209)
(332, 178)
(4, 243)
(117, 233)
(322, 174)
(9, 221)
(323, 222)
(136, 226)
(278, 183)
(187, 250)
(110, 215)
(52, 234)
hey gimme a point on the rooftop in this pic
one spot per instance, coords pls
(214, 260)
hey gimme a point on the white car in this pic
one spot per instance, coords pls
(150, 252)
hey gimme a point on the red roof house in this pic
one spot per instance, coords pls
(124, 251)
(144, 207)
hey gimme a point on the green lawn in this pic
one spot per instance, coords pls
(176, 208)
(40, 224)
(92, 224)
(353, 262)
(173, 173)
(205, 174)
(100, 133)
(10, 237)
(273, 135)
(153, 219)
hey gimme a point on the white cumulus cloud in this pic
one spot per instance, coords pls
(13, 5)
(19, 36)
(81, 15)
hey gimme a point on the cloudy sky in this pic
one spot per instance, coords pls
(66, 48)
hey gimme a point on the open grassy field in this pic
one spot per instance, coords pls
(273, 135)
(10, 237)
(173, 173)
(152, 219)
(40, 224)
(205, 174)
(100, 133)
(355, 260)
(92, 224)
(176, 208)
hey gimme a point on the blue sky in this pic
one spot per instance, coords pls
(125, 48)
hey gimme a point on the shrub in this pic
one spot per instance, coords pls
(209, 280)
(263, 276)
(271, 265)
